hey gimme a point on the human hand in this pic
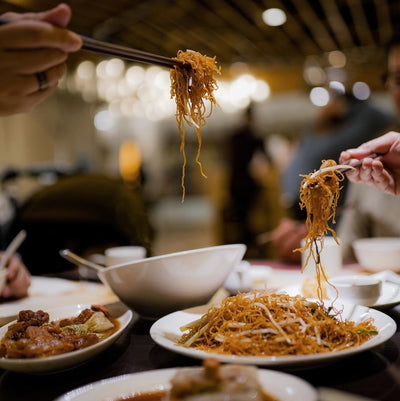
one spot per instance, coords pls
(33, 51)
(382, 171)
(287, 237)
(18, 279)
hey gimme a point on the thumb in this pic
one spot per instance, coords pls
(58, 16)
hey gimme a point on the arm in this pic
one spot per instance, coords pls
(33, 45)
(383, 171)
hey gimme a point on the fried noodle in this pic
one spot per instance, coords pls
(319, 195)
(191, 87)
(267, 324)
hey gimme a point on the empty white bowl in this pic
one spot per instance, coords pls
(356, 289)
(156, 286)
(377, 254)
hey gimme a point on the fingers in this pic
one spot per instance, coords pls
(32, 61)
(53, 75)
(58, 16)
(380, 145)
(287, 237)
(18, 86)
(18, 278)
(26, 103)
(32, 34)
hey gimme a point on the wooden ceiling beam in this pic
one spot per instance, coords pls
(361, 25)
(295, 31)
(337, 24)
(245, 30)
(319, 31)
(385, 26)
(279, 44)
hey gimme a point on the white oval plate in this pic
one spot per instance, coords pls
(281, 385)
(165, 332)
(67, 360)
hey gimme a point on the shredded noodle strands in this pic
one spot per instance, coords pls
(191, 87)
(319, 194)
(267, 324)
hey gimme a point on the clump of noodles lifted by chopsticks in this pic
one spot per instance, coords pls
(267, 324)
(191, 87)
(319, 195)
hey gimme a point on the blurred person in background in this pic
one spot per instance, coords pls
(373, 206)
(344, 122)
(248, 161)
(86, 213)
(33, 51)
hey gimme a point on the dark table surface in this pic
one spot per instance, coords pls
(374, 373)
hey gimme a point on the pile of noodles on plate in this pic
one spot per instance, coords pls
(319, 194)
(268, 324)
(191, 88)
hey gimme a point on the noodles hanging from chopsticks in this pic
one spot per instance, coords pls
(191, 88)
(319, 194)
(266, 324)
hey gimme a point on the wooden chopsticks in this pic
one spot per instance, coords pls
(128, 53)
(124, 52)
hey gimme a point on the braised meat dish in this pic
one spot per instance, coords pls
(35, 336)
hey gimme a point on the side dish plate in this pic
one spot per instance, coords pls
(166, 333)
(67, 360)
(283, 386)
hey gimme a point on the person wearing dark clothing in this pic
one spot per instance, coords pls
(244, 188)
(344, 123)
(85, 213)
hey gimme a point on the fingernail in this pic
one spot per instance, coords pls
(75, 40)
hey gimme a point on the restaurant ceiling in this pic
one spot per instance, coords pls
(233, 30)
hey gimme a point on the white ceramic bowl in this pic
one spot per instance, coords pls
(156, 286)
(376, 254)
(357, 289)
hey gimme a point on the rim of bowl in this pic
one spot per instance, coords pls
(355, 281)
(377, 241)
(170, 255)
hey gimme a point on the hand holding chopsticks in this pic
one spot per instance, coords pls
(124, 52)
(382, 171)
(34, 49)
(14, 276)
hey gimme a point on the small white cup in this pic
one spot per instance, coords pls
(357, 289)
(124, 254)
(331, 258)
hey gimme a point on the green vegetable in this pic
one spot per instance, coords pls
(370, 332)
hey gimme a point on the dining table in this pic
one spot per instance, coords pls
(373, 374)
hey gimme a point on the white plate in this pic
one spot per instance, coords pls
(390, 295)
(56, 292)
(67, 360)
(166, 333)
(283, 386)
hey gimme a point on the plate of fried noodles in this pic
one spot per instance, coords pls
(264, 328)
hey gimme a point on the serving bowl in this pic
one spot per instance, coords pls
(358, 289)
(156, 286)
(377, 254)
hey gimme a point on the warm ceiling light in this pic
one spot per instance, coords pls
(337, 59)
(319, 96)
(274, 17)
(361, 91)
